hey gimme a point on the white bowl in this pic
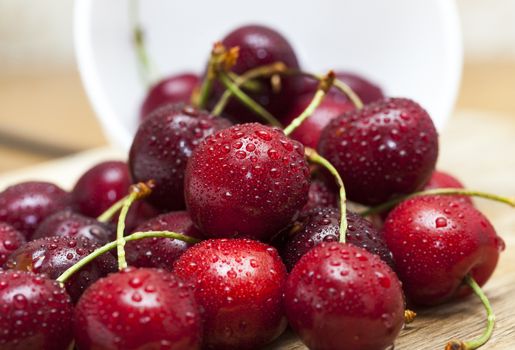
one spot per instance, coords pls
(412, 48)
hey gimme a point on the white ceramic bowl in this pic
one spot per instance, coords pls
(412, 48)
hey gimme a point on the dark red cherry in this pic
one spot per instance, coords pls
(320, 196)
(54, 255)
(436, 241)
(163, 145)
(173, 89)
(440, 179)
(36, 313)
(138, 309)
(388, 148)
(341, 296)
(161, 252)
(240, 285)
(26, 204)
(69, 224)
(248, 180)
(10, 240)
(322, 225)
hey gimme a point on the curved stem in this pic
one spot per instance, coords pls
(146, 68)
(217, 53)
(323, 87)
(247, 101)
(314, 157)
(440, 192)
(111, 211)
(120, 229)
(111, 245)
(490, 321)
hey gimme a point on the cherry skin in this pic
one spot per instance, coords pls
(36, 313)
(388, 148)
(341, 295)
(10, 240)
(54, 255)
(163, 145)
(322, 225)
(156, 309)
(69, 224)
(320, 196)
(440, 179)
(248, 180)
(173, 89)
(26, 204)
(161, 252)
(436, 241)
(239, 283)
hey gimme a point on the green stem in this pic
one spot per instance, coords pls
(146, 68)
(211, 73)
(490, 321)
(440, 192)
(111, 245)
(314, 157)
(120, 230)
(247, 101)
(112, 210)
(323, 87)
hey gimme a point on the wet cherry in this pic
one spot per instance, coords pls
(320, 196)
(10, 240)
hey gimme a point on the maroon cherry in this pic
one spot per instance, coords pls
(320, 196)
(54, 255)
(436, 241)
(69, 224)
(173, 89)
(26, 204)
(163, 145)
(161, 252)
(388, 148)
(341, 295)
(239, 283)
(138, 309)
(10, 240)
(36, 313)
(322, 225)
(248, 180)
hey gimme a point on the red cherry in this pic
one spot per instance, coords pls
(69, 224)
(138, 309)
(36, 313)
(239, 283)
(248, 180)
(26, 204)
(173, 89)
(339, 295)
(440, 179)
(163, 145)
(320, 196)
(161, 252)
(388, 148)
(10, 240)
(54, 255)
(435, 242)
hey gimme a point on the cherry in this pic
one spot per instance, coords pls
(163, 145)
(320, 195)
(161, 252)
(388, 148)
(173, 89)
(36, 313)
(10, 240)
(69, 224)
(54, 255)
(436, 241)
(322, 225)
(249, 180)
(440, 179)
(239, 283)
(339, 295)
(157, 311)
(26, 204)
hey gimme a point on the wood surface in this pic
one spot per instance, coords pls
(479, 148)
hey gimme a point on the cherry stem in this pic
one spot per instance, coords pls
(244, 79)
(439, 192)
(316, 158)
(247, 100)
(324, 86)
(112, 210)
(215, 59)
(111, 245)
(409, 316)
(146, 68)
(490, 323)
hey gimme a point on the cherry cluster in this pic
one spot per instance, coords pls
(223, 227)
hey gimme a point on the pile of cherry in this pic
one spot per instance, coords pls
(234, 229)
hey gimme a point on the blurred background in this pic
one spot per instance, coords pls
(44, 112)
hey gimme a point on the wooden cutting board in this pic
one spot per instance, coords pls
(477, 147)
